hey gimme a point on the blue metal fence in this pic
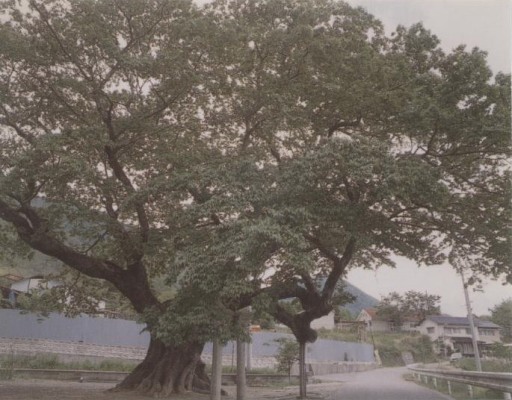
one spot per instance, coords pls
(118, 332)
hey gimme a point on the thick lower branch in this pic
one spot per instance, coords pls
(132, 282)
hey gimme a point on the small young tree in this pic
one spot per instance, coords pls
(288, 354)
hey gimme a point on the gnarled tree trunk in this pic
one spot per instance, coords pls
(169, 369)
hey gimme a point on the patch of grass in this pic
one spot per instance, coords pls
(51, 361)
(264, 371)
(460, 391)
(498, 365)
(334, 334)
(257, 371)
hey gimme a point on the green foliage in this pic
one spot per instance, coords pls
(288, 354)
(392, 345)
(200, 317)
(395, 308)
(39, 302)
(241, 146)
(421, 348)
(265, 320)
(51, 361)
(459, 391)
(499, 350)
(501, 315)
(334, 334)
(342, 314)
(497, 365)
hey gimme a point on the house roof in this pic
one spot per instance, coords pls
(460, 321)
(372, 312)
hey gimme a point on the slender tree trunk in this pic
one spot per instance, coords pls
(169, 369)
(240, 370)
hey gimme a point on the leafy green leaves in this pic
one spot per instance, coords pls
(247, 147)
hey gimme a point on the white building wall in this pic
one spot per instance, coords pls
(431, 329)
(26, 285)
(326, 322)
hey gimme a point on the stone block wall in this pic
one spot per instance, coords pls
(23, 346)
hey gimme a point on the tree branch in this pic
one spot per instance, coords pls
(326, 252)
(343, 124)
(338, 269)
(32, 229)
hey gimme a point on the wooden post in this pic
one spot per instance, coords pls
(216, 371)
(302, 371)
(507, 396)
(248, 356)
(435, 382)
(449, 387)
(470, 391)
(240, 370)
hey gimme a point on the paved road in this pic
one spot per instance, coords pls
(379, 384)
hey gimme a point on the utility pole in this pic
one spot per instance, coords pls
(471, 324)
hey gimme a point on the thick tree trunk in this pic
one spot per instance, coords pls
(169, 369)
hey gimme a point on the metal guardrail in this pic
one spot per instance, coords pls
(500, 381)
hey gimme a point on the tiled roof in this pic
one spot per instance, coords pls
(461, 321)
(372, 312)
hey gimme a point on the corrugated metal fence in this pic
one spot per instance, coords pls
(118, 332)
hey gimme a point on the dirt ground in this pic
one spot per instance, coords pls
(64, 390)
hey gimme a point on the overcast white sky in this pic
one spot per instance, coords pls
(477, 23)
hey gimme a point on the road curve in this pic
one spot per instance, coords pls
(379, 384)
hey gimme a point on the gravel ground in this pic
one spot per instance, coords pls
(65, 390)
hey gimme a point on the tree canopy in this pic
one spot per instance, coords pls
(241, 151)
(397, 308)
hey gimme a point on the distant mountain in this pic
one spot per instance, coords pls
(363, 300)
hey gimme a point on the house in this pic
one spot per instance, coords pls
(376, 323)
(454, 333)
(26, 285)
(39, 283)
(373, 321)
(8, 295)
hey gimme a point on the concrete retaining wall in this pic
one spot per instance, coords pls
(21, 346)
(337, 368)
(76, 352)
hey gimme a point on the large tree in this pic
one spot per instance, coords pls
(240, 153)
(395, 307)
(354, 147)
(99, 115)
(501, 314)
